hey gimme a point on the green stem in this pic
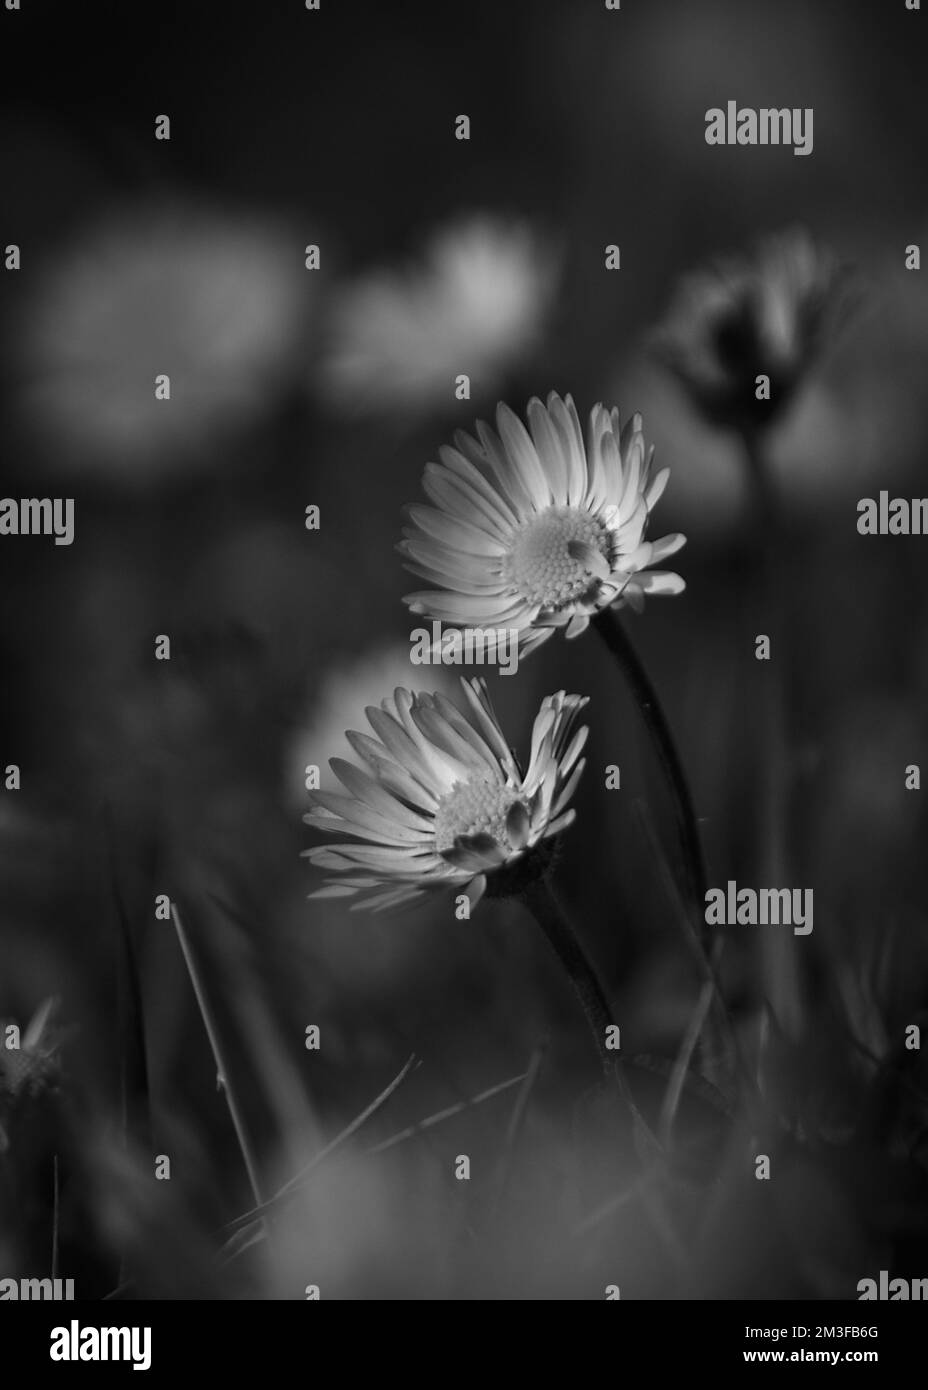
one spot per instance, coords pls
(544, 907)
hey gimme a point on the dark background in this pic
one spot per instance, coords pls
(185, 778)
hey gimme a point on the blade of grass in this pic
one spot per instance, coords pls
(133, 1065)
(134, 1096)
(55, 1216)
(674, 1091)
(708, 963)
(611, 1205)
(247, 1218)
(279, 1079)
(517, 1119)
(441, 1115)
(245, 1237)
(212, 1033)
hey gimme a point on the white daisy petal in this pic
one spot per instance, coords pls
(460, 462)
(552, 450)
(661, 582)
(358, 813)
(656, 488)
(522, 456)
(369, 790)
(450, 492)
(667, 546)
(477, 610)
(460, 535)
(509, 479)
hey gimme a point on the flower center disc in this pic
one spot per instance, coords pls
(476, 807)
(540, 565)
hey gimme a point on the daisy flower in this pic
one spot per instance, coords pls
(742, 318)
(535, 529)
(474, 303)
(443, 804)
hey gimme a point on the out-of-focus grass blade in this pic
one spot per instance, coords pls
(247, 1218)
(422, 1125)
(134, 1089)
(133, 1064)
(242, 1226)
(276, 1074)
(674, 1090)
(708, 964)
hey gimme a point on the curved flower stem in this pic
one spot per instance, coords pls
(717, 1038)
(610, 629)
(544, 907)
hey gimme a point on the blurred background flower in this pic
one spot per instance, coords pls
(33, 1065)
(745, 317)
(219, 302)
(474, 304)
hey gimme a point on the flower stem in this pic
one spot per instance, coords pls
(780, 967)
(612, 632)
(717, 1038)
(544, 907)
